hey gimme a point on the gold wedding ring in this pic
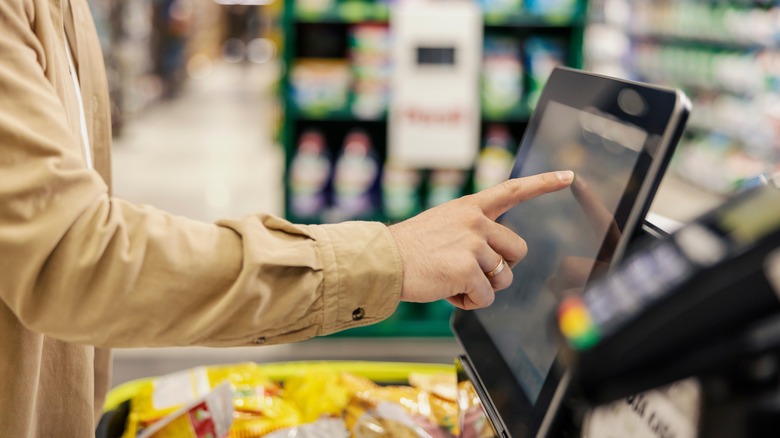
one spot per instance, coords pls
(498, 269)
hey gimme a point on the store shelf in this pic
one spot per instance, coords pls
(533, 21)
(521, 112)
(331, 114)
(724, 56)
(696, 40)
(325, 52)
(347, 12)
(361, 12)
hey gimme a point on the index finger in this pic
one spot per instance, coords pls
(496, 200)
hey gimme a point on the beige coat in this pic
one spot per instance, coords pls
(80, 269)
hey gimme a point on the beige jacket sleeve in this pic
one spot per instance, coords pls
(79, 265)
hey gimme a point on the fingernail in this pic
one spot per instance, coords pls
(565, 176)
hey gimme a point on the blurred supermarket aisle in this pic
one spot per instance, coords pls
(209, 153)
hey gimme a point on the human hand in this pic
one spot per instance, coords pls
(447, 250)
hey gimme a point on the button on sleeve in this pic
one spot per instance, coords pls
(363, 274)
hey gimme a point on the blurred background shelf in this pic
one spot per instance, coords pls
(725, 56)
(341, 12)
(336, 86)
(524, 20)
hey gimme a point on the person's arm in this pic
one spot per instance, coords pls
(81, 266)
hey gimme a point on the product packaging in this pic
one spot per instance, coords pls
(207, 417)
(444, 185)
(356, 180)
(320, 86)
(502, 77)
(257, 401)
(542, 56)
(310, 173)
(401, 191)
(494, 163)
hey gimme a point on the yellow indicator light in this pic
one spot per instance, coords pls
(575, 322)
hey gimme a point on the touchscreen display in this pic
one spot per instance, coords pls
(569, 233)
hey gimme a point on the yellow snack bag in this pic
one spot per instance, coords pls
(442, 385)
(167, 393)
(472, 420)
(206, 417)
(254, 394)
(397, 411)
(255, 426)
(317, 393)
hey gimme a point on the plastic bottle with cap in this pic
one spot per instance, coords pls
(494, 163)
(310, 173)
(355, 180)
(444, 185)
(400, 191)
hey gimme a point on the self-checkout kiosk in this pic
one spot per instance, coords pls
(673, 333)
(681, 339)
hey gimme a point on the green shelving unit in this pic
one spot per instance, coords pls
(306, 32)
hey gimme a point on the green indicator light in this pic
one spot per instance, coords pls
(586, 341)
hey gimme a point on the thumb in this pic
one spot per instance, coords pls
(496, 200)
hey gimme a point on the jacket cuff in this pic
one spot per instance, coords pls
(363, 274)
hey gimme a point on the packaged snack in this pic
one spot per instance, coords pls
(442, 385)
(257, 400)
(398, 411)
(256, 426)
(323, 428)
(473, 422)
(207, 417)
(317, 393)
(365, 419)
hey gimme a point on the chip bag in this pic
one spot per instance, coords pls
(397, 411)
(257, 400)
(207, 417)
(318, 393)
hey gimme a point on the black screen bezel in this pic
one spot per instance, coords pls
(663, 120)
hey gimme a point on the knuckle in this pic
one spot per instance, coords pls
(512, 186)
(465, 266)
(474, 245)
(474, 219)
(503, 281)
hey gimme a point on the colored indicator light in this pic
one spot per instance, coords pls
(586, 341)
(576, 325)
(575, 322)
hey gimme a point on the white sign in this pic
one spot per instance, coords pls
(434, 119)
(670, 412)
